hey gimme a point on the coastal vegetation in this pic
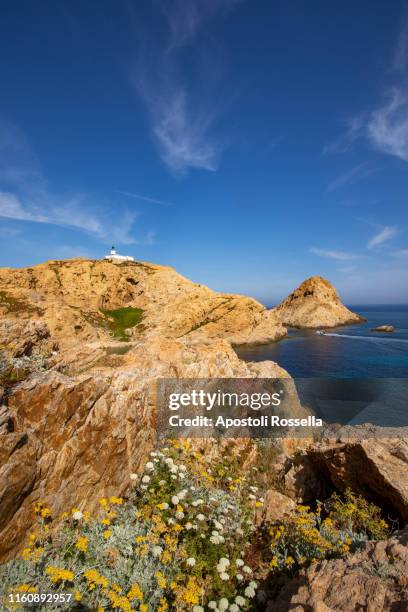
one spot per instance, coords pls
(121, 319)
(186, 537)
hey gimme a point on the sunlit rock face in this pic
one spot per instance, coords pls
(315, 303)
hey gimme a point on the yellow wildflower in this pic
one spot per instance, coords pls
(26, 588)
(163, 606)
(107, 533)
(58, 574)
(135, 592)
(160, 580)
(82, 543)
(116, 500)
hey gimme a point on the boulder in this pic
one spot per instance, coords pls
(384, 328)
(374, 468)
(276, 507)
(374, 579)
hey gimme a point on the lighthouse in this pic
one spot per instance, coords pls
(114, 257)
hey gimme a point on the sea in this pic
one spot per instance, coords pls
(352, 351)
(350, 375)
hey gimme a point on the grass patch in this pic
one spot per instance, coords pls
(121, 319)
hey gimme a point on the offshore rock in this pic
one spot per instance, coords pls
(314, 304)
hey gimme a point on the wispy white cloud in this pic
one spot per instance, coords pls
(331, 254)
(400, 253)
(346, 141)
(27, 197)
(182, 135)
(137, 196)
(355, 174)
(382, 236)
(347, 269)
(387, 128)
(183, 112)
(71, 214)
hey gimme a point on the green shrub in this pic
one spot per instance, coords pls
(121, 319)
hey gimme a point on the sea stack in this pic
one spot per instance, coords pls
(315, 304)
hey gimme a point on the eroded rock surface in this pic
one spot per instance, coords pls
(69, 297)
(315, 303)
(375, 468)
(69, 439)
(373, 579)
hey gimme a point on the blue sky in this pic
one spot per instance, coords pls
(248, 144)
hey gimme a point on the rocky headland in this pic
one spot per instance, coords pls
(315, 304)
(82, 345)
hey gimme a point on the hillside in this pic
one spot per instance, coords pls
(73, 298)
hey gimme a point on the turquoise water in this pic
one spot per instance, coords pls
(352, 351)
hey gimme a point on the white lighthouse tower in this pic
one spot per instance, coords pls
(114, 257)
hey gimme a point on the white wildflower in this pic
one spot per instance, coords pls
(77, 515)
(212, 605)
(200, 517)
(249, 592)
(247, 569)
(146, 479)
(239, 577)
(149, 466)
(223, 604)
(224, 576)
(191, 562)
(134, 477)
(175, 500)
(239, 563)
(157, 551)
(233, 608)
(179, 515)
(240, 601)
(188, 526)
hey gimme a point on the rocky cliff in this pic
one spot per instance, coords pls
(72, 298)
(78, 409)
(315, 303)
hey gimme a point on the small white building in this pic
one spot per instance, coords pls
(115, 257)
